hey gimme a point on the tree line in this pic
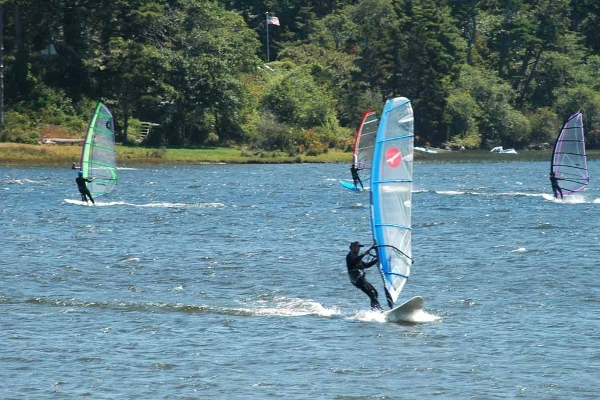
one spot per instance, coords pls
(480, 73)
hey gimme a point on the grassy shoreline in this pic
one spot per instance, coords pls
(15, 154)
(64, 155)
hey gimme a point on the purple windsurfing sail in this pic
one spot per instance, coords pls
(569, 160)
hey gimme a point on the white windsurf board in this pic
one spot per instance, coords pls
(405, 311)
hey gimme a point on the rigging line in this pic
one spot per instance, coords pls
(397, 250)
(396, 274)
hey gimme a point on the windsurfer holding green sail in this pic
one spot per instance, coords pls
(85, 192)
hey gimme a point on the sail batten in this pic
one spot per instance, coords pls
(394, 225)
(98, 156)
(391, 183)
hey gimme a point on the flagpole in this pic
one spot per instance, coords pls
(267, 21)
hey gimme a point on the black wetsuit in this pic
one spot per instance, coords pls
(557, 190)
(85, 192)
(356, 267)
(355, 177)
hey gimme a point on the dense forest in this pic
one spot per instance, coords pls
(296, 75)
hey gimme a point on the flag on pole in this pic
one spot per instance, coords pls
(273, 20)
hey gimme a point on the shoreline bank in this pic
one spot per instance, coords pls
(15, 154)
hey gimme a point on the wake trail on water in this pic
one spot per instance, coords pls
(149, 205)
(291, 307)
(295, 307)
(572, 199)
(279, 307)
(22, 181)
(476, 193)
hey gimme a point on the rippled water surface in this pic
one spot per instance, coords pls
(228, 281)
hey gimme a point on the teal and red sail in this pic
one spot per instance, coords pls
(362, 153)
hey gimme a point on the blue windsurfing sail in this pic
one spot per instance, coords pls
(362, 153)
(99, 156)
(391, 185)
(569, 159)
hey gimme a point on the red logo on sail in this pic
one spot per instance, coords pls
(393, 157)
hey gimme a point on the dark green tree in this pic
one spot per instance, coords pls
(434, 54)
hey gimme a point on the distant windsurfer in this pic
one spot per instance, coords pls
(356, 270)
(74, 166)
(355, 177)
(85, 192)
(555, 187)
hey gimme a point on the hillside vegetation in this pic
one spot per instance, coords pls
(480, 74)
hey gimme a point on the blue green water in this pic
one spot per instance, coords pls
(222, 281)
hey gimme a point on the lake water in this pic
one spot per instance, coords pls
(229, 282)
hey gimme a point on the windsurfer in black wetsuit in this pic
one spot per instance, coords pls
(75, 166)
(557, 190)
(355, 177)
(85, 192)
(356, 270)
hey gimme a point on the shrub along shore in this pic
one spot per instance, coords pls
(15, 154)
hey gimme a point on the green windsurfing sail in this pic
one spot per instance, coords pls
(98, 156)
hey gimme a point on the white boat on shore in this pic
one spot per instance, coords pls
(502, 150)
(425, 150)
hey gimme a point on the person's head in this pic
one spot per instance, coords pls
(355, 246)
(551, 173)
(80, 173)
